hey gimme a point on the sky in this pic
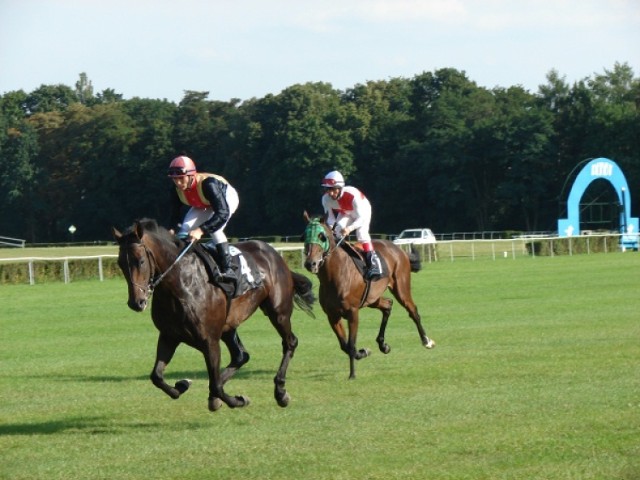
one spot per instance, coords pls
(251, 48)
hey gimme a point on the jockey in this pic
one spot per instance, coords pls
(212, 200)
(348, 210)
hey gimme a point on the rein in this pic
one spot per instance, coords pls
(153, 284)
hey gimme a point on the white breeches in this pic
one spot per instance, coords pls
(362, 232)
(197, 216)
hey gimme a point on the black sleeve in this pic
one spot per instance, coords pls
(176, 207)
(215, 191)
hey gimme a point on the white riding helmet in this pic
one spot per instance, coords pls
(333, 179)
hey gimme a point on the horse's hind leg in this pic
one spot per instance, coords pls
(164, 353)
(217, 395)
(384, 305)
(407, 302)
(239, 356)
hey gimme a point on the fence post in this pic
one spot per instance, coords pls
(66, 271)
(32, 279)
(100, 268)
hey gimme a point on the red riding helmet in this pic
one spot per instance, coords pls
(182, 166)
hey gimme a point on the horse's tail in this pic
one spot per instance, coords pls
(303, 296)
(414, 260)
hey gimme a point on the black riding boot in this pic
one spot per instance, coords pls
(374, 268)
(224, 261)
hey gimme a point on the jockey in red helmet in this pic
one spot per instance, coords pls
(348, 210)
(212, 200)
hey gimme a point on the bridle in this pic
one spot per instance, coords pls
(316, 234)
(155, 277)
(147, 289)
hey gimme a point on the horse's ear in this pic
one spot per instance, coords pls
(116, 234)
(138, 229)
(305, 216)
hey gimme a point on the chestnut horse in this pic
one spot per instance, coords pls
(187, 308)
(344, 291)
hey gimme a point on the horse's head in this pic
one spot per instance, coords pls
(318, 240)
(137, 264)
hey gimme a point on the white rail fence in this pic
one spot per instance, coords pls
(12, 242)
(448, 250)
(66, 270)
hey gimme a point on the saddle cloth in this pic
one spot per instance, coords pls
(246, 270)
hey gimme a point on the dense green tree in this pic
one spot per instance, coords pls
(304, 134)
(50, 98)
(383, 119)
(192, 128)
(18, 180)
(435, 150)
(522, 140)
(84, 90)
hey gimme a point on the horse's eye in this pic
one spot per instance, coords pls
(322, 237)
(137, 262)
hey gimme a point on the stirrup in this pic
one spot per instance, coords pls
(228, 275)
(372, 274)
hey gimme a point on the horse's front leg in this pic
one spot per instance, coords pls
(216, 390)
(164, 353)
(347, 345)
(384, 305)
(353, 320)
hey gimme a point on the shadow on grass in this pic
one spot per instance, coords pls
(84, 425)
(170, 376)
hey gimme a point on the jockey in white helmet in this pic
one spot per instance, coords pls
(348, 210)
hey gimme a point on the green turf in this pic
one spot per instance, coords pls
(535, 376)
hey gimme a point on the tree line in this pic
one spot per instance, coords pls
(434, 150)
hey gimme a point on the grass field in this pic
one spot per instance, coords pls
(535, 376)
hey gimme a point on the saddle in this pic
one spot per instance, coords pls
(247, 274)
(356, 253)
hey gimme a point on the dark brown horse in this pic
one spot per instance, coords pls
(187, 308)
(343, 290)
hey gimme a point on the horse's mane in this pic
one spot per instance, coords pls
(151, 227)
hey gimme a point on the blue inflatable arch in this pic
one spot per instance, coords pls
(600, 168)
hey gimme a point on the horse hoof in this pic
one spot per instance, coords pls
(215, 404)
(284, 401)
(429, 343)
(183, 385)
(363, 353)
(244, 401)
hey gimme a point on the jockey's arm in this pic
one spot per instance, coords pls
(215, 192)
